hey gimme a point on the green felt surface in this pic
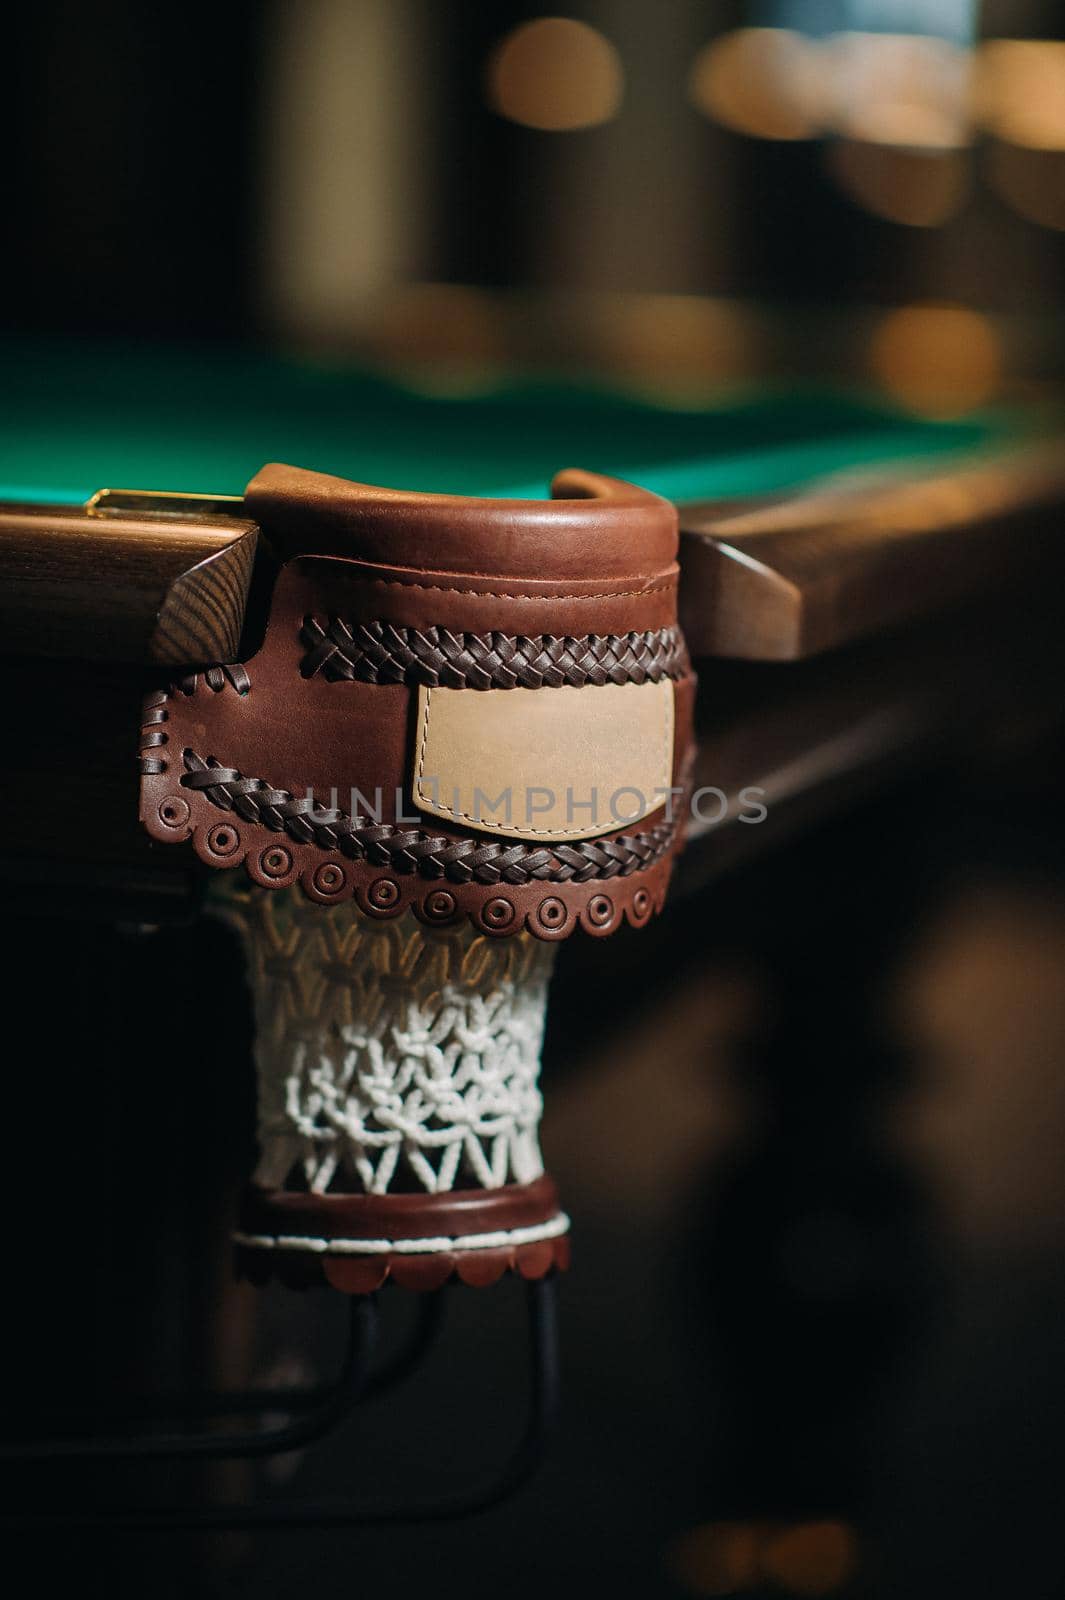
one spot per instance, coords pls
(75, 417)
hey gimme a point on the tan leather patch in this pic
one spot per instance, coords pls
(550, 764)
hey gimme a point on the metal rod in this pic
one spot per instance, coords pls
(542, 1307)
(291, 1435)
(263, 1402)
(409, 1355)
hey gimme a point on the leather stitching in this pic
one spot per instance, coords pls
(658, 587)
(434, 805)
(482, 860)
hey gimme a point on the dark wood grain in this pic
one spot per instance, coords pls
(788, 578)
(815, 737)
(202, 613)
(123, 588)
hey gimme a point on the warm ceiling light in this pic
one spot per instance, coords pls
(811, 1558)
(919, 188)
(767, 82)
(1020, 91)
(730, 1558)
(557, 75)
(676, 350)
(441, 338)
(901, 89)
(717, 1558)
(938, 360)
(1031, 182)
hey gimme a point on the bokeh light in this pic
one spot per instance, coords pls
(441, 338)
(766, 82)
(937, 360)
(729, 1558)
(674, 349)
(919, 188)
(901, 89)
(811, 1558)
(1019, 91)
(717, 1558)
(557, 75)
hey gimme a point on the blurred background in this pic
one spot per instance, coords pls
(683, 197)
(812, 1341)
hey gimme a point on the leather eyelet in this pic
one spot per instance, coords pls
(383, 893)
(329, 879)
(551, 913)
(174, 811)
(600, 910)
(498, 913)
(275, 861)
(223, 839)
(439, 905)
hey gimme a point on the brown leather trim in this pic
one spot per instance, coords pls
(472, 568)
(548, 910)
(365, 593)
(437, 658)
(454, 857)
(592, 527)
(424, 1273)
(305, 732)
(399, 1216)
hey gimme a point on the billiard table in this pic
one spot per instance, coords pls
(824, 538)
(862, 593)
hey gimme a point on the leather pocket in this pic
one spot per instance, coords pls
(544, 764)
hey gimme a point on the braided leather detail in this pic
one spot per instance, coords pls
(411, 850)
(216, 679)
(381, 652)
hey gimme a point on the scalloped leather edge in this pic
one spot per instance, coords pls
(546, 910)
(478, 1269)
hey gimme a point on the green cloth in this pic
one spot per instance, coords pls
(79, 416)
